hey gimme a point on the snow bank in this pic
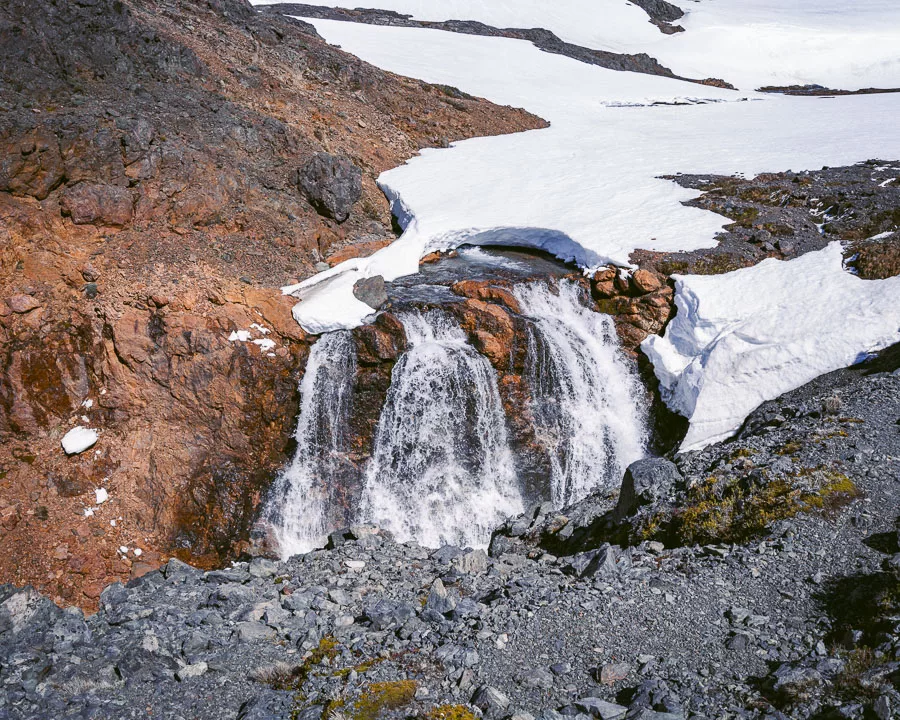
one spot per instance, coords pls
(78, 439)
(750, 43)
(587, 189)
(748, 336)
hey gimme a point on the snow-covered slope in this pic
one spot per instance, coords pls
(748, 336)
(754, 43)
(587, 188)
(750, 43)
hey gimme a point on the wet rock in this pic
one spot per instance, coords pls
(332, 184)
(371, 291)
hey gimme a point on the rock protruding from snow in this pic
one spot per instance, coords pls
(332, 184)
(79, 439)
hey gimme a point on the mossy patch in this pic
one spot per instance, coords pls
(375, 700)
(732, 510)
(450, 712)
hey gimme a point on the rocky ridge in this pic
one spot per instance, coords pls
(540, 37)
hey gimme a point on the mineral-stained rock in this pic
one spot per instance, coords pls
(98, 204)
(332, 184)
(20, 303)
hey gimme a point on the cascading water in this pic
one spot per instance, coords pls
(301, 502)
(584, 396)
(442, 471)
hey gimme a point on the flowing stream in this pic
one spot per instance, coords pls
(584, 395)
(442, 471)
(303, 496)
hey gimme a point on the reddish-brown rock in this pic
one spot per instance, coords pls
(97, 204)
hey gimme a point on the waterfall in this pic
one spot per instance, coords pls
(442, 471)
(302, 502)
(584, 396)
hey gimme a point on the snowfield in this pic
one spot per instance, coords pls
(751, 335)
(589, 188)
(749, 43)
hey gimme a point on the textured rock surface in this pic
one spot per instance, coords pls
(332, 184)
(149, 210)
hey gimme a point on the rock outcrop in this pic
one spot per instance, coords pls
(149, 211)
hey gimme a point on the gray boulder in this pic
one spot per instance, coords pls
(649, 481)
(371, 291)
(490, 701)
(332, 184)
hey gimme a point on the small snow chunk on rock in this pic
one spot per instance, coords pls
(102, 495)
(239, 336)
(79, 439)
(265, 344)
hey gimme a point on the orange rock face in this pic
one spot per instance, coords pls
(149, 211)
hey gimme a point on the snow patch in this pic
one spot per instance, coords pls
(79, 439)
(748, 336)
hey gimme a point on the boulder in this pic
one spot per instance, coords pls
(647, 482)
(490, 701)
(385, 614)
(332, 184)
(371, 291)
(22, 304)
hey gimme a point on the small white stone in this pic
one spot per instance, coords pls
(355, 564)
(87, 404)
(112, 522)
(79, 439)
(89, 512)
(123, 550)
(102, 495)
(138, 552)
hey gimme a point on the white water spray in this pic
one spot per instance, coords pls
(584, 396)
(301, 501)
(442, 471)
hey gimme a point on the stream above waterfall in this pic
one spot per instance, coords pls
(487, 384)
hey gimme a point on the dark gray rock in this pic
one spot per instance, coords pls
(386, 614)
(490, 701)
(647, 482)
(371, 291)
(332, 184)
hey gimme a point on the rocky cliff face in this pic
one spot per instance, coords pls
(157, 187)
